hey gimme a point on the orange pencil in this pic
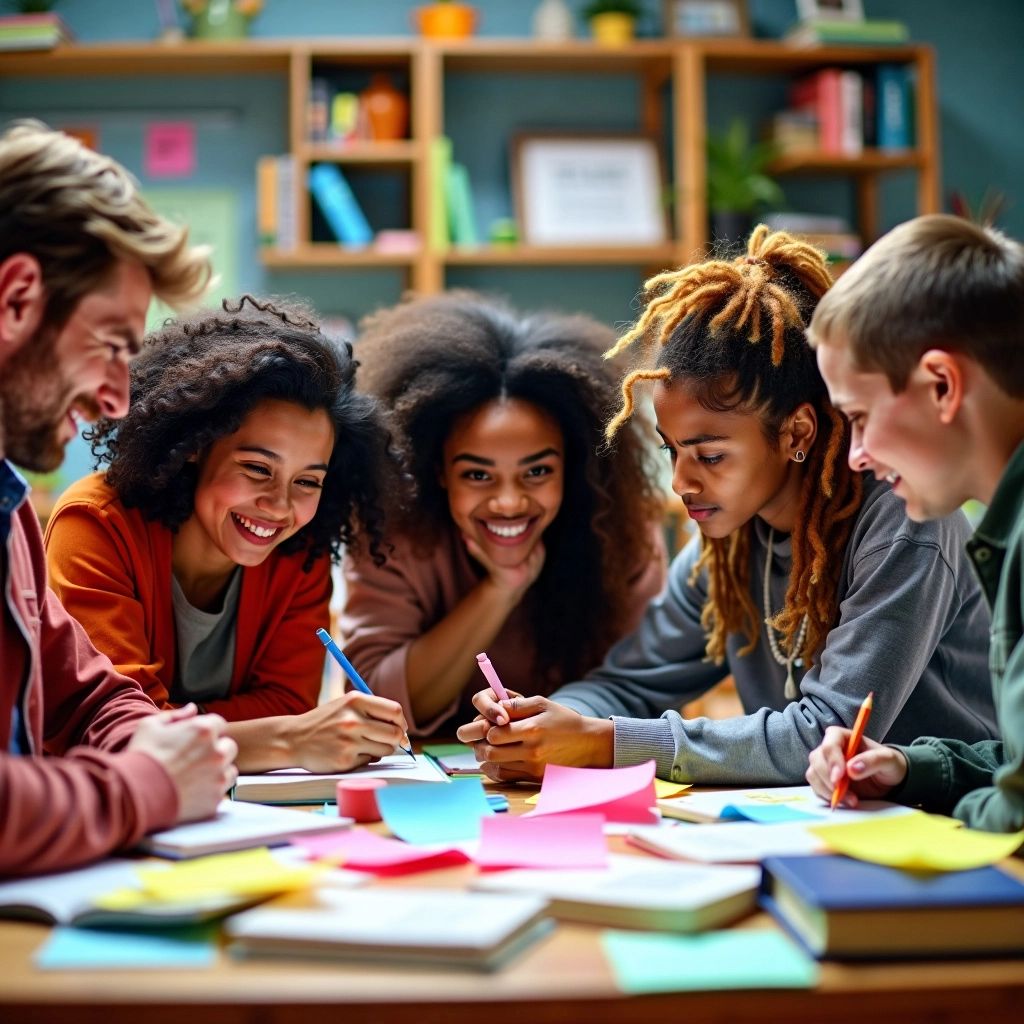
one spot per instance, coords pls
(851, 748)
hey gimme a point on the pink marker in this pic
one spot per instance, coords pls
(491, 676)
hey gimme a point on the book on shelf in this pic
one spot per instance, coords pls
(237, 826)
(338, 203)
(835, 97)
(459, 203)
(420, 926)
(843, 31)
(638, 892)
(275, 202)
(440, 161)
(318, 110)
(297, 786)
(42, 31)
(849, 909)
(892, 88)
(70, 898)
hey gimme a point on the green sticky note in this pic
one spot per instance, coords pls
(658, 962)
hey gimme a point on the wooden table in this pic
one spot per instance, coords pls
(564, 978)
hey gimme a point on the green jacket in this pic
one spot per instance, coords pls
(982, 783)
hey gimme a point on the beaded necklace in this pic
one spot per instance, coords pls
(773, 644)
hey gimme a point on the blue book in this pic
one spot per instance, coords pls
(892, 107)
(338, 204)
(849, 909)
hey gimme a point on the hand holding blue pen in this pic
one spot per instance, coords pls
(357, 680)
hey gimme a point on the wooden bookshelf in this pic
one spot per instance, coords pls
(675, 79)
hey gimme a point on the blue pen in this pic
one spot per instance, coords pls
(349, 669)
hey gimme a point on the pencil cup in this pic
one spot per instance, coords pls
(357, 799)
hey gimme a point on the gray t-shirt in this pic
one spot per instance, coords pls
(206, 645)
(913, 627)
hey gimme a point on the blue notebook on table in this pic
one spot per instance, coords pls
(850, 909)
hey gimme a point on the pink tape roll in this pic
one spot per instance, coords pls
(357, 799)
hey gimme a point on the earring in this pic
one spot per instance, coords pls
(799, 456)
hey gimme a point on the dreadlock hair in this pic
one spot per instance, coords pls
(433, 360)
(734, 332)
(198, 378)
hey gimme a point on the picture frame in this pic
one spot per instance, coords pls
(703, 18)
(588, 189)
(830, 10)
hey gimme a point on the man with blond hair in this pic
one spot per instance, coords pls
(87, 764)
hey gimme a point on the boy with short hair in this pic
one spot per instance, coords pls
(921, 344)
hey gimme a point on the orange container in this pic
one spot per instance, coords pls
(446, 21)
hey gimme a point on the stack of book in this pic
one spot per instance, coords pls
(843, 31)
(33, 31)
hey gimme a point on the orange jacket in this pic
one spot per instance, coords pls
(111, 569)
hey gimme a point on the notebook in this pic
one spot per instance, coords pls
(68, 898)
(769, 805)
(741, 842)
(297, 786)
(843, 908)
(237, 826)
(453, 758)
(423, 926)
(638, 892)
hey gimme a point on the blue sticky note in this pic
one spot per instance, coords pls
(84, 948)
(766, 814)
(739, 958)
(435, 812)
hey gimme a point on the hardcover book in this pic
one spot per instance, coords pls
(843, 908)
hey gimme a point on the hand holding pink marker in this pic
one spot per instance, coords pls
(491, 676)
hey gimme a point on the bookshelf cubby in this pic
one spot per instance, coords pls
(674, 82)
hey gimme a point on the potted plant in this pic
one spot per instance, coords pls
(446, 19)
(221, 19)
(612, 22)
(738, 186)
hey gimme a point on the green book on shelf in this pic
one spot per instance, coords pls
(440, 161)
(838, 32)
(459, 204)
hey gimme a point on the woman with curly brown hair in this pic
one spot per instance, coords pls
(199, 562)
(521, 540)
(806, 581)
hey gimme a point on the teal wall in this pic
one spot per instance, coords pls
(981, 82)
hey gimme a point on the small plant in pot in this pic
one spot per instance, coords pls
(738, 187)
(612, 22)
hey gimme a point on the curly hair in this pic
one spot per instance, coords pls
(435, 359)
(77, 212)
(707, 323)
(197, 379)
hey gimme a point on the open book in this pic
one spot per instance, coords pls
(769, 805)
(442, 926)
(238, 826)
(297, 786)
(68, 898)
(638, 892)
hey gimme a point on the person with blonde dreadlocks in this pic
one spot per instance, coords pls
(806, 581)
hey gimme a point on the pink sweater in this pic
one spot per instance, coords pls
(387, 609)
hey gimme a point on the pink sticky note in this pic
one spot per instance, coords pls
(552, 841)
(620, 794)
(362, 850)
(170, 149)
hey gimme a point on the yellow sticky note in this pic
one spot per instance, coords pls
(919, 842)
(246, 873)
(664, 789)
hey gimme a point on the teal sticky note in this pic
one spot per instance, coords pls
(84, 949)
(766, 814)
(657, 962)
(441, 812)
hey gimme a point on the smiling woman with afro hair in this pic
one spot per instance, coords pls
(199, 562)
(522, 540)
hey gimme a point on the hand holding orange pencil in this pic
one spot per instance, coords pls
(853, 746)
